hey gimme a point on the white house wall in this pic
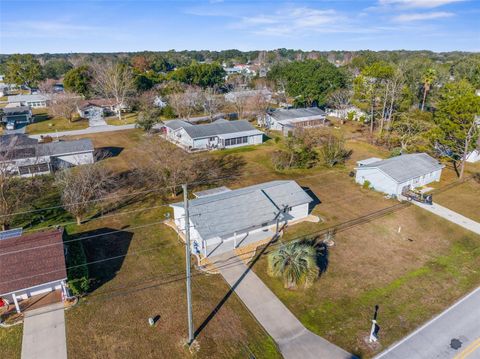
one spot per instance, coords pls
(383, 183)
(77, 159)
(378, 180)
(39, 289)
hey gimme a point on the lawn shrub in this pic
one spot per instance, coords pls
(78, 276)
(367, 184)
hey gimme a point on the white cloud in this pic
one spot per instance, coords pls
(422, 16)
(292, 21)
(429, 4)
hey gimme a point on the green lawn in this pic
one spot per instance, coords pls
(127, 118)
(44, 124)
(112, 321)
(411, 274)
(11, 342)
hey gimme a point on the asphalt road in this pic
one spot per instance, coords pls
(455, 333)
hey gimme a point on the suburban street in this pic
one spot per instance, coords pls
(456, 326)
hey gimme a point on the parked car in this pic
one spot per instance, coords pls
(10, 125)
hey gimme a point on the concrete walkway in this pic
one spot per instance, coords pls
(455, 333)
(451, 216)
(44, 333)
(293, 339)
(86, 131)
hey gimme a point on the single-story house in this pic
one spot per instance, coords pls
(31, 264)
(473, 156)
(216, 135)
(286, 120)
(395, 174)
(100, 107)
(91, 111)
(25, 157)
(4, 90)
(34, 101)
(20, 114)
(224, 215)
(235, 95)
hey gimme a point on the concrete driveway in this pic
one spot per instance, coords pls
(455, 333)
(293, 339)
(44, 333)
(19, 130)
(451, 216)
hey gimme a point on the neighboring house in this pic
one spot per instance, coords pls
(99, 107)
(34, 101)
(343, 114)
(235, 95)
(91, 111)
(4, 89)
(18, 115)
(395, 174)
(216, 135)
(286, 120)
(159, 102)
(31, 264)
(25, 157)
(224, 215)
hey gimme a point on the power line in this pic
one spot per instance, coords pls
(80, 238)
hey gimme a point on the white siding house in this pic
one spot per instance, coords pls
(473, 156)
(25, 157)
(286, 120)
(246, 214)
(217, 135)
(34, 101)
(393, 175)
(33, 263)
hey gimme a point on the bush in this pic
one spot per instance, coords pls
(78, 276)
(333, 151)
(367, 184)
(351, 115)
(397, 151)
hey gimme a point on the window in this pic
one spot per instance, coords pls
(236, 141)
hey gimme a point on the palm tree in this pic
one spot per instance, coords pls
(295, 263)
(428, 79)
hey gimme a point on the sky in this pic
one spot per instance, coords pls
(136, 25)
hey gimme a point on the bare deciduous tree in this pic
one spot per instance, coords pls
(46, 86)
(185, 103)
(258, 104)
(114, 81)
(212, 102)
(341, 100)
(82, 187)
(165, 166)
(64, 105)
(15, 193)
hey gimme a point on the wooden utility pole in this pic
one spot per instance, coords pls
(187, 255)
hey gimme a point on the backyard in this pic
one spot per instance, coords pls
(416, 252)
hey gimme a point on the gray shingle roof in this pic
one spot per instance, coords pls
(21, 146)
(243, 209)
(16, 110)
(215, 128)
(176, 124)
(405, 167)
(283, 114)
(29, 98)
(65, 147)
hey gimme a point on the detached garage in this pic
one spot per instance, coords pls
(31, 264)
(393, 175)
